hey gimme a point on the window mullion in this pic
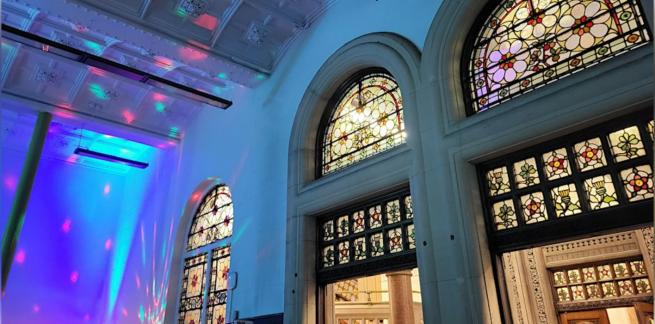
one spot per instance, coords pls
(206, 288)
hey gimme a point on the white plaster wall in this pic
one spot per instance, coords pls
(247, 145)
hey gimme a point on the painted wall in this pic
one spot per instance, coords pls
(247, 145)
(94, 245)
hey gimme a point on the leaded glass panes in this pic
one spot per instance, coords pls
(608, 280)
(328, 230)
(525, 173)
(395, 237)
(601, 192)
(626, 144)
(556, 164)
(380, 228)
(209, 250)
(498, 181)
(366, 119)
(590, 171)
(534, 209)
(218, 288)
(409, 209)
(193, 289)
(589, 154)
(504, 215)
(213, 220)
(566, 200)
(638, 182)
(525, 44)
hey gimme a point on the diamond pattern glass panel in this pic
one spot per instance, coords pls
(574, 276)
(498, 181)
(643, 286)
(563, 294)
(578, 292)
(638, 268)
(609, 290)
(525, 44)
(213, 220)
(589, 154)
(650, 126)
(556, 164)
(593, 292)
(601, 192)
(589, 274)
(566, 200)
(367, 120)
(525, 173)
(393, 211)
(604, 272)
(559, 278)
(534, 209)
(626, 288)
(626, 144)
(638, 182)
(621, 270)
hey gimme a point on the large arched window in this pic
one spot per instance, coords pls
(524, 44)
(207, 260)
(364, 117)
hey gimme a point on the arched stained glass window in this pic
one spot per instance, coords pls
(365, 117)
(525, 44)
(207, 260)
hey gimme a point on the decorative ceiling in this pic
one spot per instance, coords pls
(236, 40)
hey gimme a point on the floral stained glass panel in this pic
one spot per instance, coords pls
(358, 221)
(498, 181)
(328, 230)
(593, 291)
(626, 144)
(193, 288)
(395, 240)
(525, 44)
(556, 164)
(409, 208)
(360, 248)
(411, 236)
(376, 244)
(504, 215)
(566, 200)
(218, 287)
(375, 216)
(601, 192)
(525, 173)
(643, 286)
(344, 252)
(393, 211)
(589, 154)
(367, 119)
(213, 220)
(534, 208)
(328, 256)
(638, 182)
(342, 226)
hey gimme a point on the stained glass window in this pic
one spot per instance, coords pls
(380, 228)
(213, 220)
(525, 44)
(585, 283)
(599, 169)
(208, 259)
(365, 118)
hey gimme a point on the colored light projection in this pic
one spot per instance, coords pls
(96, 242)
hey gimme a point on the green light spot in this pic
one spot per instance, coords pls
(260, 76)
(173, 132)
(95, 47)
(181, 12)
(159, 106)
(222, 75)
(98, 91)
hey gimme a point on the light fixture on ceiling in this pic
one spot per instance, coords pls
(33, 40)
(110, 158)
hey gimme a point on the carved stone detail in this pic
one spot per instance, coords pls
(647, 232)
(592, 249)
(536, 287)
(512, 286)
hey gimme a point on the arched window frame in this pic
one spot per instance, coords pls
(181, 254)
(385, 172)
(331, 108)
(478, 27)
